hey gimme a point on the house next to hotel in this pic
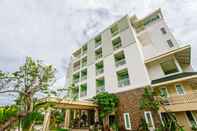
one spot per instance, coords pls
(130, 55)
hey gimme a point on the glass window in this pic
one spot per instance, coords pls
(164, 92)
(149, 119)
(169, 67)
(180, 90)
(98, 39)
(170, 44)
(191, 118)
(163, 30)
(114, 30)
(127, 121)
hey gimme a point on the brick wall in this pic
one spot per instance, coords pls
(129, 102)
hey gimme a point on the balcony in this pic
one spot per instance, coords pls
(100, 85)
(99, 56)
(83, 90)
(123, 82)
(84, 50)
(83, 78)
(100, 89)
(116, 43)
(120, 62)
(84, 74)
(84, 64)
(97, 45)
(98, 41)
(99, 71)
(76, 68)
(77, 54)
(181, 103)
(114, 30)
(84, 53)
(82, 94)
(117, 46)
(76, 80)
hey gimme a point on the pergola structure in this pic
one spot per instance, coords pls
(67, 105)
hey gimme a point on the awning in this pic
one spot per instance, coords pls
(67, 104)
(182, 54)
(192, 76)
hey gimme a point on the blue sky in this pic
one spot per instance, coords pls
(51, 29)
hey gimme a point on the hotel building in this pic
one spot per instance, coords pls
(132, 54)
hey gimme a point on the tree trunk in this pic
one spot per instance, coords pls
(106, 123)
(31, 126)
(12, 120)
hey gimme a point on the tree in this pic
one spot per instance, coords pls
(107, 104)
(31, 78)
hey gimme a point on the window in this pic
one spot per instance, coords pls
(149, 119)
(123, 78)
(191, 118)
(164, 92)
(166, 118)
(180, 90)
(116, 43)
(98, 39)
(119, 59)
(127, 121)
(163, 30)
(114, 30)
(83, 90)
(170, 44)
(169, 67)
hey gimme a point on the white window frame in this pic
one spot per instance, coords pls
(189, 120)
(151, 117)
(125, 122)
(182, 89)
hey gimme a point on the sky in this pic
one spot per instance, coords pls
(50, 30)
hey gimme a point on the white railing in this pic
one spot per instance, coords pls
(98, 56)
(187, 98)
(84, 77)
(84, 64)
(99, 71)
(100, 89)
(117, 46)
(115, 33)
(76, 80)
(84, 52)
(76, 57)
(83, 93)
(120, 62)
(97, 45)
(123, 82)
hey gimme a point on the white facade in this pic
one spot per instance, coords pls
(123, 63)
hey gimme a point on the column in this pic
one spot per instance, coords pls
(67, 118)
(96, 115)
(46, 122)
